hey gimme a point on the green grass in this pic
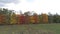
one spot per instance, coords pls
(14, 29)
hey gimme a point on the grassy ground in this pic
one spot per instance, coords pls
(30, 29)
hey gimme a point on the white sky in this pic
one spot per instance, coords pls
(39, 6)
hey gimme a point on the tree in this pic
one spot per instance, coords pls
(2, 19)
(40, 18)
(13, 18)
(7, 14)
(56, 18)
(18, 18)
(22, 19)
(44, 18)
(27, 15)
(50, 17)
(3, 13)
(36, 18)
(32, 19)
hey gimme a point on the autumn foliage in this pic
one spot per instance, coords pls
(23, 19)
(10, 17)
(13, 19)
(2, 19)
(44, 18)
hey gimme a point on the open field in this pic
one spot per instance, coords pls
(30, 29)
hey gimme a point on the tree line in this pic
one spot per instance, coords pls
(10, 17)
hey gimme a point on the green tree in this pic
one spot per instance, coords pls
(56, 18)
(50, 17)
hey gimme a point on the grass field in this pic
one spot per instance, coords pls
(30, 29)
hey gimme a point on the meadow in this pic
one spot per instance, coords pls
(30, 29)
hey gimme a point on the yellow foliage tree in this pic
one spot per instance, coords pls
(13, 19)
(32, 19)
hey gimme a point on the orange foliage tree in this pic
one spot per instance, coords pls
(36, 18)
(44, 18)
(32, 19)
(2, 19)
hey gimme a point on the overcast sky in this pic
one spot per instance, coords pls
(39, 6)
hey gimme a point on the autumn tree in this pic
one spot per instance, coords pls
(3, 13)
(27, 15)
(13, 18)
(32, 19)
(44, 18)
(36, 18)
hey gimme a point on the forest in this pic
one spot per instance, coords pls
(10, 17)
